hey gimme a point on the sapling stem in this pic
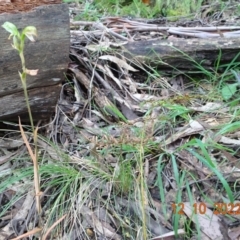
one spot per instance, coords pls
(24, 84)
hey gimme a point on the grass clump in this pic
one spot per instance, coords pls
(136, 8)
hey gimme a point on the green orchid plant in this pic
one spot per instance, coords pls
(18, 43)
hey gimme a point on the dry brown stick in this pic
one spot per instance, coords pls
(200, 34)
(53, 226)
(81, 23)
(35, 230)
(35, 168)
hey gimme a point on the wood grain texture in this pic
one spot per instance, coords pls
(49, 54)
(42, 103)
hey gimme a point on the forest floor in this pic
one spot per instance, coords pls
(137, 148)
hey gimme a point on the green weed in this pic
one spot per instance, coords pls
(206, 159)
(135, 8)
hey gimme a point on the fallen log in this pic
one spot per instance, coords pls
(184, 54)
(49, 54)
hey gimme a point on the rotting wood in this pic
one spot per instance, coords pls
(49, 54)
(181, 53)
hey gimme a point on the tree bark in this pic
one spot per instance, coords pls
(184, 54)
(49, 54)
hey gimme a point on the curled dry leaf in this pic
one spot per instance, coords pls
(110, 74)
(194, 128)
(32, 72)
(208, 107)
(227, 140)
(121, 63)
(170, 235)
(11, 144)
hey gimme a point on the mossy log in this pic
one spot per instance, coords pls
(185, 54)
(49, 54)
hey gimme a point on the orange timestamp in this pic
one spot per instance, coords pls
(201, 208)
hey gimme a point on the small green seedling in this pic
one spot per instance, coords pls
(230, 89)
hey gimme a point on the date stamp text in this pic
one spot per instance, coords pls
(201, 208)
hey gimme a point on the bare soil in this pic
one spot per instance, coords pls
(14, 6)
